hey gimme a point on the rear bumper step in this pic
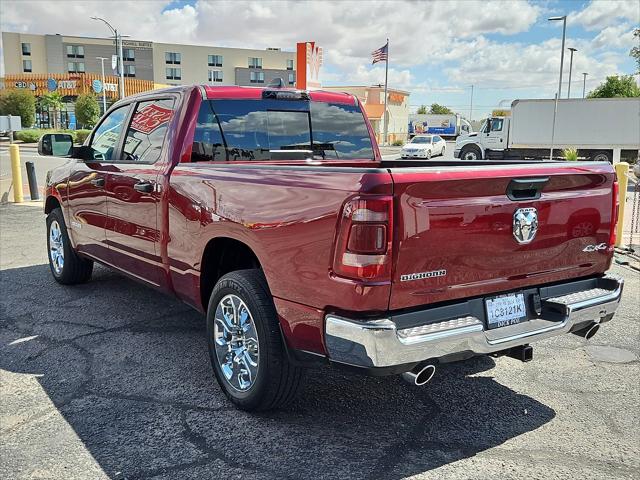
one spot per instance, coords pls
(385, 343)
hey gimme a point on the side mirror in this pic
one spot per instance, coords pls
(56, 144)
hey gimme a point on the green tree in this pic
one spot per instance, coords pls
(19, 103)
(87, 110)
(422, 109)
(53, 101)
(635, 51)
(615, 86)
(439, 109)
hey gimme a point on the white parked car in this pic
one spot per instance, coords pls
(424, 146)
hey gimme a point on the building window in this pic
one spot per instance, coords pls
(26, 66)
(290, 64)
(75, 67)
(172, 58)
(75, 51)
(26, 49)
(128, 55)
(255, 62)
(292, 79)
(174, 74)
(215, 75)
(129, 70)
(215, 60)
(256, 77)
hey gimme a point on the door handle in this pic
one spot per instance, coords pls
(144, 187)
(98, 182)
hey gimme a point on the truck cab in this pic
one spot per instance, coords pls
(493, 135)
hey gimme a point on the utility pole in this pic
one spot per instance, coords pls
(471, 105)
(386, 114)
(118, 39)
(104, 88)
(584, 83)
(555, 107)
(570, 68)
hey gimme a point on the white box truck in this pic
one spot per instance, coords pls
(445, 125)
(599, 128)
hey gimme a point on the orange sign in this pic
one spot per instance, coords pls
(396, 97)
(309, 59)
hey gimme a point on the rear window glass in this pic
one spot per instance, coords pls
(229, 130)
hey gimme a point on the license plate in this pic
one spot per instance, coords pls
(506, 310)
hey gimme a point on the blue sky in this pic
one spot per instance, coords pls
(507, 49)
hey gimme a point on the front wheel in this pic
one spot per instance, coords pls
(428, 154)
(246, 347)
(471, 153)
(67, 267)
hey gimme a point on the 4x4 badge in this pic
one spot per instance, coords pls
(525, 224)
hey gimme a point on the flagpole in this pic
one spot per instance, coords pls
(385, 116)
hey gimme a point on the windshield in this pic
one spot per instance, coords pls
(276, 129)
(421, 140)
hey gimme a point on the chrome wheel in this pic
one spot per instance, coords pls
(236, 343)
(56, 247)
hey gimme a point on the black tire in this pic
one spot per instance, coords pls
(442, 152)
(75, 269)
(428, 154)
(602, 156)
(277, 381)
(470, 151)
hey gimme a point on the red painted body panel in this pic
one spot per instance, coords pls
(286, 212)
(460, 220)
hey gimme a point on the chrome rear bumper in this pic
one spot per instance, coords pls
(381, 343)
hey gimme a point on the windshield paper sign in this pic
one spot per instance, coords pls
(150, 117)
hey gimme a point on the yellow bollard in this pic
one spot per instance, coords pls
(16, 173)
(622, 169)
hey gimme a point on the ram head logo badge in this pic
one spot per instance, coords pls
(525, 225)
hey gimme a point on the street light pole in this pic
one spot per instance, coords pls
(471, 105)
(584, 83)
(555, 108)
(571, 49)
(118, 39)
(104, 91)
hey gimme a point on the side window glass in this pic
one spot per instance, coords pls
(496, 125)
(208, 145)
(145, 135)
(105, 139)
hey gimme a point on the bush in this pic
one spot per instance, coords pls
(30, 136)
(19, 103)
(397, 143)
(79, 136)
(570, 154)
(87, 110)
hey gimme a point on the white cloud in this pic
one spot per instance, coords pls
(606, 12)
(615, 36)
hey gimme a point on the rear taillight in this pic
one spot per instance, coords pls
(615, 205)
(364, 241)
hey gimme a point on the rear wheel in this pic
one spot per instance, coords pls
(471, 152)
(246, 347)
(442, 151)
(67, 267)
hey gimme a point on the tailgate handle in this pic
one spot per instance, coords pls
(526, 188)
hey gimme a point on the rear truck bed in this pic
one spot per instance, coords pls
(486, 259)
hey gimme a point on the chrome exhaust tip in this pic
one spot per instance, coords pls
(589, 331)
(420, 375)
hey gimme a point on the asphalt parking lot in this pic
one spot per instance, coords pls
(112, 380)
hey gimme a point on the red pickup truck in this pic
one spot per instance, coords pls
(272, 211)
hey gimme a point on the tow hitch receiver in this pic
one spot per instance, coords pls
(524, 353)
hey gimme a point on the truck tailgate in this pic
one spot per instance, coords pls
(454, 228)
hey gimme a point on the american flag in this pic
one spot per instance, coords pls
(381, 54)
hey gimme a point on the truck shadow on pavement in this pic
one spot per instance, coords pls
(127, 369)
